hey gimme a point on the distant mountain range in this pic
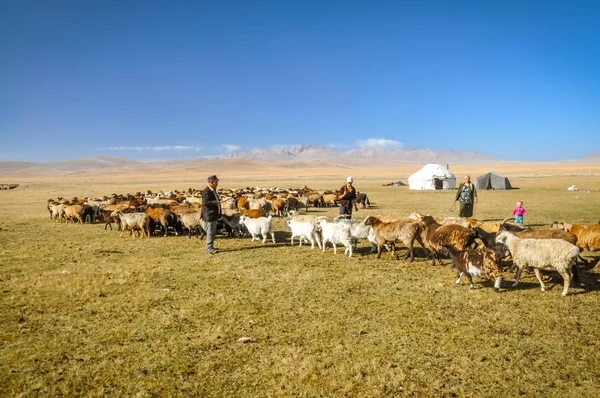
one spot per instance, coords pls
(592, 158)
(377, 155)
(94, 162)
(296, 157)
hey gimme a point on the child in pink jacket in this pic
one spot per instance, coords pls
(519, 212)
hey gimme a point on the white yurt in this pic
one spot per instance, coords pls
(432, 176)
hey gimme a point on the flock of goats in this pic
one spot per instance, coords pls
(475, 248)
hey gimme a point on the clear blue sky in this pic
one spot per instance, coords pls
(171, 79)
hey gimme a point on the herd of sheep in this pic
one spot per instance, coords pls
(475, 248)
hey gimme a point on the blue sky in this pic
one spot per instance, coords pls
(164, 80)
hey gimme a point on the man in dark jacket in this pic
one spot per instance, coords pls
(346, 198)
(211, 212)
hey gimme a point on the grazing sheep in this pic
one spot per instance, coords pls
(294, 215)
(258, 226)
(541, 254)
(479, 262)
(228, 203)
(193, 221)
(293, 203)
(362, 199)
(588, 236)
(304, 229)
(336, 233)
(58, 212)
(436, 236)
(133, 221)
(330, 199)
(107, 218)
(358, 230)
(163, 217)
(242, 203)
(260, 204)
(232, 223)
(252, 213)
(278, 206)
(405, 231)
(74, 213)
(49, 204)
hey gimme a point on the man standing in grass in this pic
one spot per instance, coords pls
(346, 198)
(211, 212)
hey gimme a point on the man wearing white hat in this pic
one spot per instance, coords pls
(346, 198)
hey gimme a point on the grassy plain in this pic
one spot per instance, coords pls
(87, 313)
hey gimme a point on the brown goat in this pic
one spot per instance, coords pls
(405, 231)
(163, 217)
(478, 262)
(278, 206)
(436, 236)
(242, 203)
(253, 213)
(588, 236)
(74, 213)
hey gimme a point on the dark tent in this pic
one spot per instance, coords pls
(492, 180)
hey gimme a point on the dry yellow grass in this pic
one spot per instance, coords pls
(87, 313)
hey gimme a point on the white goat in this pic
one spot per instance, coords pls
(358, 230)
(258, 226)
(336, 233)
(133, 221)
(304, 229)
(541, 254)
(58, 212)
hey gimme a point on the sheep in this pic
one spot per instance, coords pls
(163, 217)
(242, 203)
(193, 221)
(330, 199)
(108, 219)
(49, 204)
(437, 235)
(232, 223)
(541, 254)
(58, 212)
(293, 203)
(74, 213)
(228, 203)
(256, 226)
(278, 206)
(252, 213)
(479, 262)
(335, 233)
(588, 236)
(133, 221)
(314, 199)
(260, 204)
(406, 231)
(358, 230)
(184, 208)
(304, 229)
(294, 215)
(362, 199)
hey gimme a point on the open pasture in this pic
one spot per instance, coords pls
(85, 312)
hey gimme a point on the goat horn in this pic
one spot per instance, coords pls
(506, 219)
